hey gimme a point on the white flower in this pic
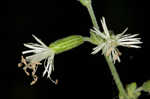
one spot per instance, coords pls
(40, 52)
(110, 42)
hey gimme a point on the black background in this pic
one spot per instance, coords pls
(85, 74)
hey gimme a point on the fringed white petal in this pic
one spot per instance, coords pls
(96, 31)
(39, 41)
(49, 66)
(32, 46)
(119, 35)
(106, 31)
(39, 56)
(28, 51)
(98, 48)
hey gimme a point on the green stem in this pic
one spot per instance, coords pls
(87, 39)
(116, 77)
(91, 12)
(110, 64)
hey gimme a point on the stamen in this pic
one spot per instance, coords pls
(55, 82)
(23, 60)
(20, 64)
(35, 79)
(25, 70)
(32, 66)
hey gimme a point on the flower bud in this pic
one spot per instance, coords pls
(85, 2)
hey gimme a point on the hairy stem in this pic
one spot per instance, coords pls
(110, 64)
(116, 78)
(92, 15)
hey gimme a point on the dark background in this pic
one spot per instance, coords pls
(86, 75)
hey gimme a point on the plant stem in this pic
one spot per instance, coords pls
(110, 64)
(116, 77)
(92, 15)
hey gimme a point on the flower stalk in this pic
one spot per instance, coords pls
(110, 63)
(88, 5)
(116, 78)
(93, 37)
(92, 15)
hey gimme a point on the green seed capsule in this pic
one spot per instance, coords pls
(66, 43)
